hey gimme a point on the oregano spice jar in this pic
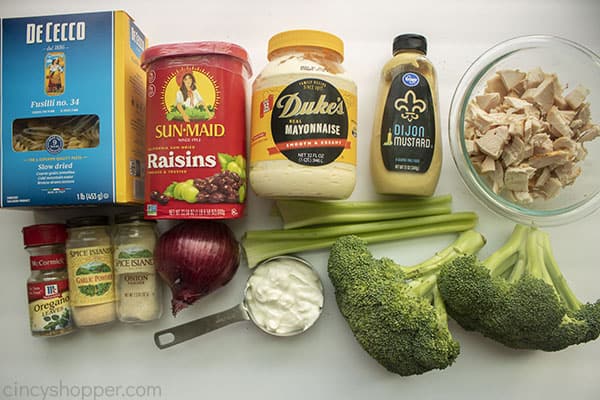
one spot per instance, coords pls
(48, 285)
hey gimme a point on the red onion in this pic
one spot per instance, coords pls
(195, 258)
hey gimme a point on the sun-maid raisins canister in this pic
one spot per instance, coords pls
(303, 135)
(48, 286)
(195, 130)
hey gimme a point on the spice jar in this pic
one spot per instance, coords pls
(303, 132)
(137, 284)
(90, 266)
(48, 285)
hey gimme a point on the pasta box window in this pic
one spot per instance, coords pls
(73, 110)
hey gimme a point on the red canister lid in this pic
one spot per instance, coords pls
(154, 53)
(44, 234)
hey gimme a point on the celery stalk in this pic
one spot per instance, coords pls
(302, 213)
(257, 250)
(326, 231)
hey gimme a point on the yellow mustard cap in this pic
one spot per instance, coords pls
(306, 37)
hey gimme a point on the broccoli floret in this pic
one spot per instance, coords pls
(518, 296)
(396, 313)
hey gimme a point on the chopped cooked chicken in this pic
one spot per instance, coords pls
(556, 157)
(488, 101)
(528, 129)
(470, 133)
(558, 122)
(543, 95)
(477, 160)
(497, 177)
(580, 153)
(471, 147)
(480, 119)
(488, 165)
(560, 102)
(589, 134)
(528, 151)
(582, 118)
(542, 143)
(565, 143)
(518, 90)
(516, 103)
(515, 128)
(568, 115)
(523, 197)
(517, 178)
(493, 142)
(514, 152)
(495, 85)
(511, 78)
(567, 173)
(551, 188)
(543, 177)
(534, 77)
(576, 97)
(525, 136)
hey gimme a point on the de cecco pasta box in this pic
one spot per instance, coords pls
(73, 95)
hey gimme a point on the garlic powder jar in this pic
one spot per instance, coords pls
(303, 133)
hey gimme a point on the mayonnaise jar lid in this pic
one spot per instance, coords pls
(306, 37)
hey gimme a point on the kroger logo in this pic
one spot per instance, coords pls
(410, 79)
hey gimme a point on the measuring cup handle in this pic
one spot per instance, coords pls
(180, 333)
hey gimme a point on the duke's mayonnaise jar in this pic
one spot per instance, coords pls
(303, 135)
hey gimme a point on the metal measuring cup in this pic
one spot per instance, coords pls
(241, 312)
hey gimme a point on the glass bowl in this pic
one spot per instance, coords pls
(573, 64)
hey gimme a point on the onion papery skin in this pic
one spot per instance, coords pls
(195, 258)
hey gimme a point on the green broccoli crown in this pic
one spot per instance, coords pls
(395, 313)
(518, 296)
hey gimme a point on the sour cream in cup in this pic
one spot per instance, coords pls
(284, 296)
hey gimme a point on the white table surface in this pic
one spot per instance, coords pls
(240, 362)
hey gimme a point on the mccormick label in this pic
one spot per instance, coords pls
(408, 125)
(308, 122)
(49, 308)
(195, 138)
(46, 262)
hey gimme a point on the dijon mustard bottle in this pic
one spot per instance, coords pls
(406, 147)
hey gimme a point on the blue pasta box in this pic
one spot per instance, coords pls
(73, 110)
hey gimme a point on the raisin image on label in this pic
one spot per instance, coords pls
(408, 125)
(309, 123)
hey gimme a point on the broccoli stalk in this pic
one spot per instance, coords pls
(396, 313)
(518, 296)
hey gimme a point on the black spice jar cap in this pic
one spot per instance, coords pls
(410, 41)
(94, 220)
